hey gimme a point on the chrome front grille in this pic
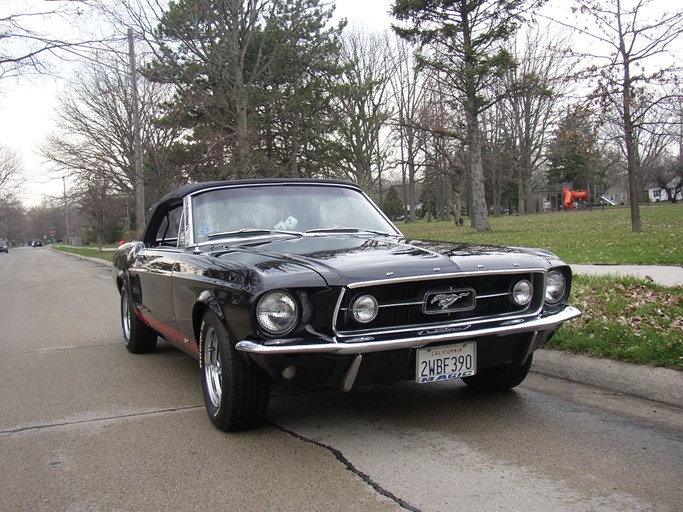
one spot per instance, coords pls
(416, 303)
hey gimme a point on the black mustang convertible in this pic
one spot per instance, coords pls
(306, 282)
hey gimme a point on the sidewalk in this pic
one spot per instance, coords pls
(664, 275)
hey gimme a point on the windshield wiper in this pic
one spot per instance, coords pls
(251, 232)
(340, 229)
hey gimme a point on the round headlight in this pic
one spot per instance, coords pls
(364, 309)
(522, 292)
(555, 286)
(277, 312)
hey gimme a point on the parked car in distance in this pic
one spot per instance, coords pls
(36, 243)
(306, 282)
(4, 247)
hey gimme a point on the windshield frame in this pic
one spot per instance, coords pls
(190, 202)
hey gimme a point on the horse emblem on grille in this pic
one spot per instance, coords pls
(444, 302)
(446, 299)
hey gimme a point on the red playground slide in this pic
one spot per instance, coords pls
(572, 195)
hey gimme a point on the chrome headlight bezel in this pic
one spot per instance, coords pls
(364, 309)
(555, 286)
(277, 312)
(522, 293)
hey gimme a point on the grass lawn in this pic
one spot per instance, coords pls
(598, 236)
(91, 252)
(623, 319)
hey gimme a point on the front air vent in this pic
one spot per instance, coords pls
(136, 289)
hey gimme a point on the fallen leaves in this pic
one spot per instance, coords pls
(628, 319)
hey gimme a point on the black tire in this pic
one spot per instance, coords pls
(236, 394)
(500, 378)
(139, 337)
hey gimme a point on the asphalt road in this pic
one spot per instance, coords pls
(86, 426)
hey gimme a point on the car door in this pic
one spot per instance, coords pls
(153, 271)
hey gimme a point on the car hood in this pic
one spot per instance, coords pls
(344, 259)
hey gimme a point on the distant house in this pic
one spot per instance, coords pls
(616, 194)
(655, 193)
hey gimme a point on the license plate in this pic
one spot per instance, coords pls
(446, 362)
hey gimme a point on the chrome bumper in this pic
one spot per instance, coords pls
(438, 334)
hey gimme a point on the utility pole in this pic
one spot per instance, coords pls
(138, 182)
(66, 213)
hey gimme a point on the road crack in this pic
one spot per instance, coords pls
(96, 420)
(341, 458)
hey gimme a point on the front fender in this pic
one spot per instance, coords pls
(124, 258)
(207, 300)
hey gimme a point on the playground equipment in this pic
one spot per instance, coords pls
(608, 200)
(569, 196)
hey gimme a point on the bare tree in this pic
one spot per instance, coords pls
(10, 168)
(364, 105)
(12, 221)
(29, 34)
(501, 154)
(97, 202)
(95, 141)
(410, 93)
(632, 39)
(534, 89)
(446, 156)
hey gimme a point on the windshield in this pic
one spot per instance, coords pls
(260, 209)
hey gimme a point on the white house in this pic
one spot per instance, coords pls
(656, 194)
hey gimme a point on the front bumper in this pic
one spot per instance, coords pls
(368, 344)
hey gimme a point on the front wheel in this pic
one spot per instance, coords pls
(500, 378)
(236, 395)
(139, 337)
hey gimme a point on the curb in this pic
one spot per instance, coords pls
(658, 384)
(98, 261)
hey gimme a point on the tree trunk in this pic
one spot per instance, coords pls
(629, 140)
(411, 179)
(242, 134)
(521, 203)
(456, 206)
(479, 213)
(294, 150)
(239, 95)
(404, 178)
(529, 193)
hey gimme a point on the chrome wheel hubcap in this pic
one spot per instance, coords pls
(125, 317)
(212, 367)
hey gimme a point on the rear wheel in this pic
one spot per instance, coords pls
(500, 378)
(139, 337)
(236, 394)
